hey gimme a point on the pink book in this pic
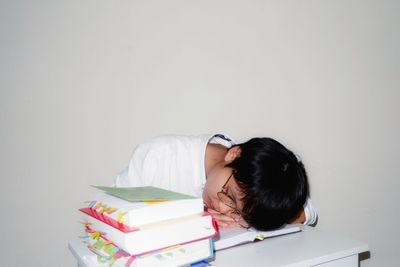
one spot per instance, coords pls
(145, 238)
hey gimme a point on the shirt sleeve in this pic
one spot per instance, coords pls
(310, 213)
(171, 162)
(133, 174)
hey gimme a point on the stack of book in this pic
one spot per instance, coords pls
(147, 226)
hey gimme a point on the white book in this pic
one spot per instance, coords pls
(139, 213)
(235, 236)
(151, 237)
(180, 255)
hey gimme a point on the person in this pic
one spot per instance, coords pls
(258, 183)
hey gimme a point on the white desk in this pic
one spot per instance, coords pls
(311, 247)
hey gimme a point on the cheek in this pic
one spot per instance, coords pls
(206, 195)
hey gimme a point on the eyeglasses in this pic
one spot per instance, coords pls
(227, 200)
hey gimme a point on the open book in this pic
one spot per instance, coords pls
(236, 236)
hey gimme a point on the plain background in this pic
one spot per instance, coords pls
(83, 82)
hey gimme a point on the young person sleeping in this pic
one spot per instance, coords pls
(259, 183)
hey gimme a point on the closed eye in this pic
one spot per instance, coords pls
(231, 193)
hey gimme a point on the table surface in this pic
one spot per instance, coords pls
(309, 247)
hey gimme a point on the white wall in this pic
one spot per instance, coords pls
(82, 82)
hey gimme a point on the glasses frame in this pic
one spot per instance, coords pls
(231, 204)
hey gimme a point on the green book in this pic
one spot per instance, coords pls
(143, 193)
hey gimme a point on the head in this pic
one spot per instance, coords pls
(269, 184)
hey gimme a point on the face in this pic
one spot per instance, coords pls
(215, 181)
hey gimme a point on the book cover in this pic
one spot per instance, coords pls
(143, 193)
(236, 236)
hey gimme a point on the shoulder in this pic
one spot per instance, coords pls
(183, 139)
(170, 139)
(165, 142)
(175, 141)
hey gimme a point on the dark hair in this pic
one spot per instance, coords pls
(273, 181)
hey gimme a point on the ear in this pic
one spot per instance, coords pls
(232, 153)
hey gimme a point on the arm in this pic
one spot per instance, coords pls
(307, 215)
(299, 218)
